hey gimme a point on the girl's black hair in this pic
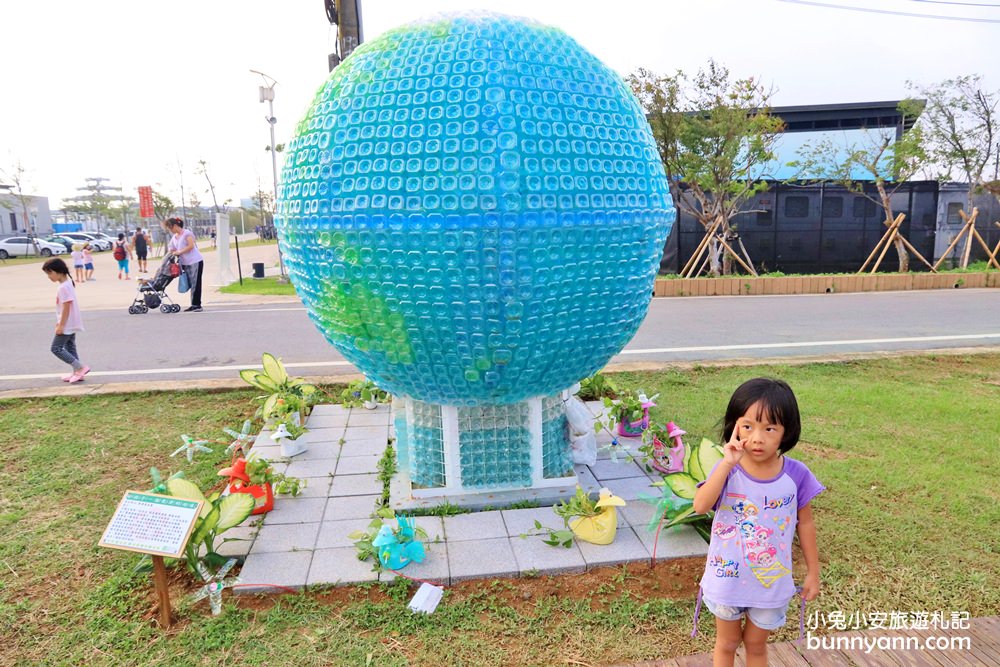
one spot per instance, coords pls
(174, 221)
(121, 237)
(56, 265)
(777, 404)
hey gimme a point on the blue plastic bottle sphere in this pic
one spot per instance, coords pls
(473, 210)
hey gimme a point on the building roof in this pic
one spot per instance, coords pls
(849, 116)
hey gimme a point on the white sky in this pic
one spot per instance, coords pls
(139, 92)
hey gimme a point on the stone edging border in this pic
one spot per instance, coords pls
(878, 282)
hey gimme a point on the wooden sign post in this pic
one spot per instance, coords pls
(154, 524)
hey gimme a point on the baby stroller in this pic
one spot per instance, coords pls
(153, 294)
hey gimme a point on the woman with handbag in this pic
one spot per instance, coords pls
(182, 245)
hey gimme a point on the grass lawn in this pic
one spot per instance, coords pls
(268, 285)
(908, 449)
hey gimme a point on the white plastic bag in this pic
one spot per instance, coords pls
(583, 441)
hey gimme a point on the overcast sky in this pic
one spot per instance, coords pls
(139, 92)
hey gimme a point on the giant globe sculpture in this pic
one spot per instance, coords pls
(473, 210)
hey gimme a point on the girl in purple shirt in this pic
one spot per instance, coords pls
(761, 501)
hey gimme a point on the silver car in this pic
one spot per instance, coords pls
(20, 246)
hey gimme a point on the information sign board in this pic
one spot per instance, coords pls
(151, 523)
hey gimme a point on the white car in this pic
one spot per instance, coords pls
(80, 237)
(18, 246)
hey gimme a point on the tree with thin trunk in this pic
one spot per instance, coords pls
(203, 170)
(878, 159)
(961, 124)
(716, 137)
(15, 174)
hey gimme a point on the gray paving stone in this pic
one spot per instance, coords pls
(315, 487)
(434, 527)
(339, 567)
(285, 538)
(627, 547)
(481, 559)
(235, 542)
(311, 468)
(295, 510)
(534, 556)
(586, 479)
(367, 447)
(355, 485)
(329, 421)
(330, 434)
(606, 469)
(520, 522)
(318, 450)
(355, 433)
(333, 534)
(632, 488)
(677, 542)
(433, 569)
(327, 409)
(474, 526)
(350, 507)
(362, 417)
(358, 465)
(266, 451)
(279, 569)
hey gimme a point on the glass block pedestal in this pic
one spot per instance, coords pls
(481, 456)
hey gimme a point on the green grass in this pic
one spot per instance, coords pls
(269, 286)
(908, 449)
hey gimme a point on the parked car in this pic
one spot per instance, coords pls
(19, 246)
(67, 242)
(82, 237)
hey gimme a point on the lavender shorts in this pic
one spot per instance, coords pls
(763, 618)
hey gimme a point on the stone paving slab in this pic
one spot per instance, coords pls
(303, 541)
(378, 417)
(534, 556)
(520, 522)
(313, 468)
(280, 569)
(626, 548)
(334, 534)
(295, 510)
(482, 559)
(433, 569)
(358, 465)
(355, 485)
(285, 538)
(350, 507)
(339, 567)
(474, 526)
(328, 409)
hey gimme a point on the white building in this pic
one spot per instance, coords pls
(12, 214)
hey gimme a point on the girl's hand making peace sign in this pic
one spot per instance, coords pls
(733, 451)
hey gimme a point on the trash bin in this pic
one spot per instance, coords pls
(258, 269)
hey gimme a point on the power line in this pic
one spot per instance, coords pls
(963, 4)
(886, 11)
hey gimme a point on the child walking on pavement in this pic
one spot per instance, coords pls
(761, 501)
(122, 253)
(88, 262)
(77, 256)
(68, 319)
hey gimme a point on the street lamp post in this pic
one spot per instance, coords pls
(267, 95)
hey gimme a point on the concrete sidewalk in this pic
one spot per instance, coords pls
(25, 289)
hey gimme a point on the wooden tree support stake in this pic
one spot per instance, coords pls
(970, 232)
(886, 239)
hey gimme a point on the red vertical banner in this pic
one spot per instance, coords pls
(145, 201)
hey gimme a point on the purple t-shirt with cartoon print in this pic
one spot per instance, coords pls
(750, 555)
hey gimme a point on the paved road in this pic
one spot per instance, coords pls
(218, 342)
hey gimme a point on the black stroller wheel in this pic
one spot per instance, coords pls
(176, 308)
(132, 310)
(143, 309)
(166, 308)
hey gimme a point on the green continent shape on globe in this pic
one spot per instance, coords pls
(355, 314)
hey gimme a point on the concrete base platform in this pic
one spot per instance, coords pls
(303, 542)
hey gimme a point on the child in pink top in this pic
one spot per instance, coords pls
(68, 319)
(88, 263)
(77, 256)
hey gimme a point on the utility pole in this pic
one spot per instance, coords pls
(346, 15)
(267, 95)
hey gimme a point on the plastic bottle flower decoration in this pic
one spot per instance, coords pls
(398, 548)
(241, 440)
(214, 585)
(191, 446)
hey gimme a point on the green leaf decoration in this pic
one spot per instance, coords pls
(270, 404)
(265, 382)
(206, 526)
(682, 484)
(233, 510)
(683, 517)
(693, 466)
(249, 375)
(181, 488)
(274, 369)
(708, 456)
